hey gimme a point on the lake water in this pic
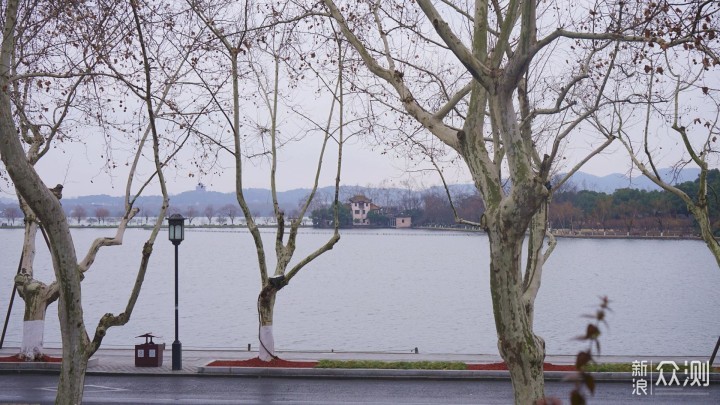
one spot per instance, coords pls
(389, 290)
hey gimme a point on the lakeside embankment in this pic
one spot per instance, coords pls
(558, 233)
(587, 233)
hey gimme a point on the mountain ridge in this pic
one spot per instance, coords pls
(260, 200)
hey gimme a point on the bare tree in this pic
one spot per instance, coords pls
(146, 214)
(101, 213)
(410, 198)
(680, 97)
(229, 211)
(436, 209)
(274, 52)
(321, 200)
(209, 213)
(602, 211)
(11, 213)
(190, 213)
(476, 76)
(470, 206)
(79, 213)
(58, 23)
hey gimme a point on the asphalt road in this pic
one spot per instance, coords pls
(129, 389)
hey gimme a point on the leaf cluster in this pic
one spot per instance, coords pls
(583, 379)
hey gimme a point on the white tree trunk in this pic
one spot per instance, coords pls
(34, 294)
(266, 306)
(37, 297)
(267, 343)
(32, 342)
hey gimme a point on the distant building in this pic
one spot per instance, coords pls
(361, 207)
(403, 222)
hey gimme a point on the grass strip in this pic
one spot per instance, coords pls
(393, 365)
(609, 367)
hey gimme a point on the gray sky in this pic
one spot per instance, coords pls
(76, 167)
(296, 169)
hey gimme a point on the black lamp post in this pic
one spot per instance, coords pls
(176, 234)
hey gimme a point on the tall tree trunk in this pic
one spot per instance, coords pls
(266, 306)
(72, 325)
(521, 349)
(50, 213)
(509, 216)
(74, 364)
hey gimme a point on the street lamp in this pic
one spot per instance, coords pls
(176, 234)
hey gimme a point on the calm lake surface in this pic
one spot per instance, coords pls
(389, 290)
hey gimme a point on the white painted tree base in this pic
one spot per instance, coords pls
(267, 343)
(33, 334)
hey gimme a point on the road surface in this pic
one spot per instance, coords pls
(209, 390)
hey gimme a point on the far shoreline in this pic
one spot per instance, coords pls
(557, 233)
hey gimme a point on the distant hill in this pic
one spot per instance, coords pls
(612, 182)
(260, 200)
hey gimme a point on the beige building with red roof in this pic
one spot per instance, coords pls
(361, 207)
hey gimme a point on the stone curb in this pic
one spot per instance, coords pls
(401, 374)
(338, 373)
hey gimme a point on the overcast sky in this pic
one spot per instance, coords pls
(76, 167)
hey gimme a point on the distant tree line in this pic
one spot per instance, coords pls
(92, 214)
(429, 208)
(627, 211)
(323, 216)
(631, 211)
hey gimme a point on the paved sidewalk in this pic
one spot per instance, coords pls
(122, 361)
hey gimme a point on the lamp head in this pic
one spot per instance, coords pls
(176, 228)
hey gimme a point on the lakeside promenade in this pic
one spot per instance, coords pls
(195, 361)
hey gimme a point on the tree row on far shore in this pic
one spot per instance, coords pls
(632, 211)
(628, 210)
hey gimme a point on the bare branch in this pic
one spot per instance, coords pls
(395, 79)
(98, 243)
(478, 70)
